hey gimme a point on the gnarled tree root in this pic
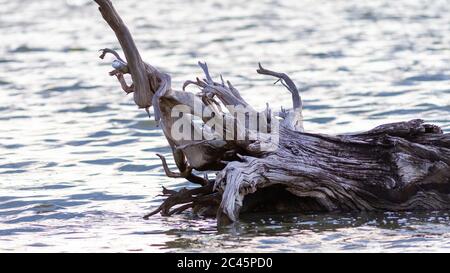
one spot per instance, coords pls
(397, 166)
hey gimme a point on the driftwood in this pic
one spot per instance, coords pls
(396, 167)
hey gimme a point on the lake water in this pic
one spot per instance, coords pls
(77, 158)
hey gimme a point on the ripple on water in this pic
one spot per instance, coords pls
(106, 161)
(102, 133)
(86, 109)
(27, 48)
(137, 168)
(17, 165)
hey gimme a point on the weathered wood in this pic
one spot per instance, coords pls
(396, 167)
(142, 94)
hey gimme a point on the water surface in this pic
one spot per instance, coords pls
(77, 158)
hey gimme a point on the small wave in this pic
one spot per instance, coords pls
(424, 78)
(321, 120)
(74, 87)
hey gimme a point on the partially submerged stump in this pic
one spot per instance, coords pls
(396, 167)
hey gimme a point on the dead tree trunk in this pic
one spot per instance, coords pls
(395, 167)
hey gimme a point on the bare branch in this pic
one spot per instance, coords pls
(123, 83)
(287, 82)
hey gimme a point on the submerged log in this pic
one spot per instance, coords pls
(276, 166)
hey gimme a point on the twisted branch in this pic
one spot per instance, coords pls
(287, 82)
(137, 68)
